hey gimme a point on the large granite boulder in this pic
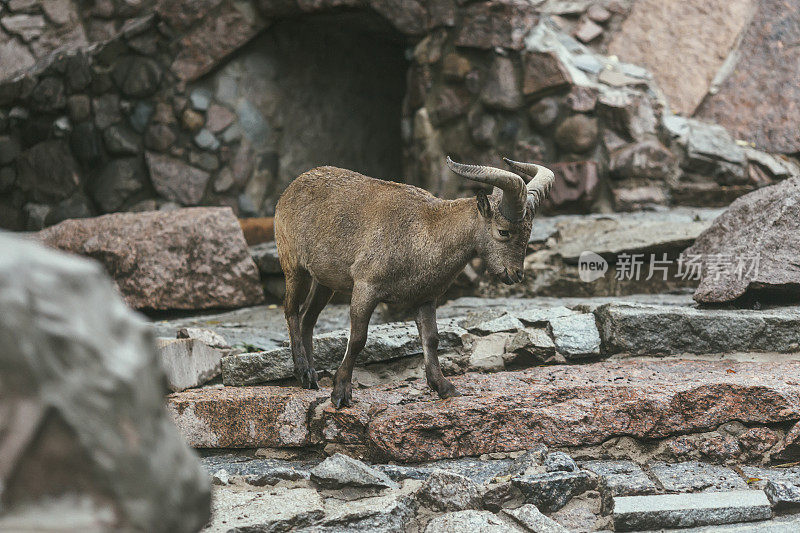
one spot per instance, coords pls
(753, 246)
(684, 44)
(757, 97)
(193, 258)
(83, 421)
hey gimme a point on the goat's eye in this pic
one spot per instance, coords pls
(504, 232)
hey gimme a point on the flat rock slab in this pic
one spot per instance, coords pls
(633, 513)
(696, 476)
(655, 329)
(557, 406)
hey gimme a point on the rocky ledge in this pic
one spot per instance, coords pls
(559, 406)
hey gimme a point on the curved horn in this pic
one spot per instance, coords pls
(542, 179)
(512, 206)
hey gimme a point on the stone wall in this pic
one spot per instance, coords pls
(112, 105)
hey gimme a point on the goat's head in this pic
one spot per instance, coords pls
(508, 213)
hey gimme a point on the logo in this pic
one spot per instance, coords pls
(591, 267)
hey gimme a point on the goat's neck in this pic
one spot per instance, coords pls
(458, 227)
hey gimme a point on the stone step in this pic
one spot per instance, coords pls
(385, 342)
(568, 405)
(635, 513)
(579, 330)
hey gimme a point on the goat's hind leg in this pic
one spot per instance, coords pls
(318, 298)
(298, 282)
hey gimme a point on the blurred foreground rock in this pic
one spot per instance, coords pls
(194, 258)
(83, 431)
(753, 247)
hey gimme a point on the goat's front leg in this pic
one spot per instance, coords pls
(362, 304)
(429, 335)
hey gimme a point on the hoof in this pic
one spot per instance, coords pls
(307, 378)
(342, 396)
(447, 390)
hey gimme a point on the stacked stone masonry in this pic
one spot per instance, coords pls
(140, 106)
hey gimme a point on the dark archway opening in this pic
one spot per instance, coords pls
(318, 90)
(342, 80)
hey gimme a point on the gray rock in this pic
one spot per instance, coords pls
(531, 343)
(200, 99)
(577, 134)
(121, 141)
(276, 475)
(159, 137)
(137, 76)
(206, 336)
(782, 493)
(252, 122)
(502, 89)
(576, 336)
(632, 513)
(76, 206)
(757, 476)
(266, 257)
(476, 470)
(80, 375)
(276, 509)
(559, 462)
(551, 491)
(381, 514)
(639, 329)
(486, 354)
(543, 315)
(695, 476)
(472, 521)
(448, 491)
(188, 362)
(778, 166)
(175, 180)
(207, 161)
(27, 27)
(86, 143)
(502, 323)
(529, 517)
(15, 57)
(620, 478)
(35, 215)
(206, 140)
(220, 477)
(709, 147)
(384, 342)
(258, 471)
(141, 116)
(340, 470)
(10, 148)
(106, 110)
(119, 180)
(48, 171)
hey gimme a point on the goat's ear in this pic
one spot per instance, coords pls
(484, 207)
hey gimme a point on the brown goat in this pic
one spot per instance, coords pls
(337, 230)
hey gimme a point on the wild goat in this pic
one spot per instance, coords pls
(337, 230)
